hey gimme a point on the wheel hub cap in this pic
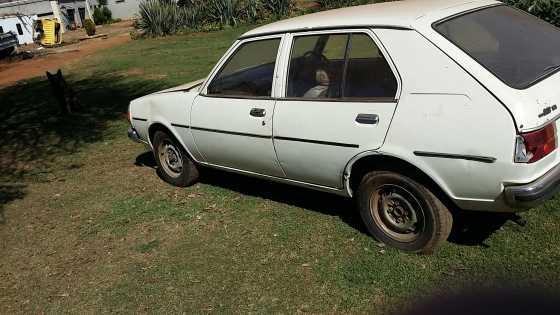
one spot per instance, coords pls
(170, 158)
(397, 212)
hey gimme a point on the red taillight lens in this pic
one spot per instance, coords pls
(129, 117)
(536, 144)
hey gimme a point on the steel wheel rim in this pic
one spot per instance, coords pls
(170, 158)
(397, 212)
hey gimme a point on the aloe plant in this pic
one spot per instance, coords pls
(224, 12)
(278, 8)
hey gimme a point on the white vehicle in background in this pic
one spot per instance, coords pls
(411, 107)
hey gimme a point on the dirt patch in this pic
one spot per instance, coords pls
(13, 72)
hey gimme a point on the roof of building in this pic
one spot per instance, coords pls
(400, 14)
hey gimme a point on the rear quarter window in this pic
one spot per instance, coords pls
(516, 47)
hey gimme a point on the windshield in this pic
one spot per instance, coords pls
(516, 47)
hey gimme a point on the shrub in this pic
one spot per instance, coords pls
(161, 17)
(278, 8)
(224, 12)
(90, 27)
(548, 10)
(331, 4)
(107, 14)
(102, 15)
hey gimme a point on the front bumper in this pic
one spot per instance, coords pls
(535, 193)
(133, 135)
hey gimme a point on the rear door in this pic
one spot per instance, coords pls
(340, 94)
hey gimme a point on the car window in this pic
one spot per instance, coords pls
(339, 66)
(316, 70)
(368, 75)
(516, 47)
(248, 72)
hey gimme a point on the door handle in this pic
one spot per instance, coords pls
(258, 112)
(367, 119)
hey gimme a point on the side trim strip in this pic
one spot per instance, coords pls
(337, 144)
(180, 126)
(140, 119)
(346, 145)
(232, 133)
(476, 158)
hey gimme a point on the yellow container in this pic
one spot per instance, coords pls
(52, 34)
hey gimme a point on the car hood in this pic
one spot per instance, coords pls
(184, 87)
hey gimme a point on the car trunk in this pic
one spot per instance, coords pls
(521, 51)
(538, 105)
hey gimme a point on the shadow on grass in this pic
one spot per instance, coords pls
(34, 135)
(474, 228)
(321, 202)
(469, 228)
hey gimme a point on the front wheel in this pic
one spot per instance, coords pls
(174, 164)
(402, 213)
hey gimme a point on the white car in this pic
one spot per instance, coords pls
(412, 107)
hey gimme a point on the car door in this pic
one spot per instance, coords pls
(340, 96)
(231, 120)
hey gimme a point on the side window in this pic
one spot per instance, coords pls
(248, 72)
(339, 66)
(316, 66)
(368, 74)
(19, 30)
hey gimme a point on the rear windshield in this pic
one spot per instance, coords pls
(516, 47)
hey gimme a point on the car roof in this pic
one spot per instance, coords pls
(398, 14)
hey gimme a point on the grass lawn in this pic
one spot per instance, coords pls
(88, 227)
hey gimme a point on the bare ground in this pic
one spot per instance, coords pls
(55, 58)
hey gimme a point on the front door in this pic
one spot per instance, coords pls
(231, 121)
(341, 94)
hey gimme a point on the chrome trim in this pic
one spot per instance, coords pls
(476, 158)
(534, 193)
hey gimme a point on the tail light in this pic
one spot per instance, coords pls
(129, 117)
(533, 146)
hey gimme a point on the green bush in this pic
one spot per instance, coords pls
(107, 14)
(224, 12)
(165, 17)
(90, 27)
(548, 10)
(278, 8)
(102, 15)
(332, 4)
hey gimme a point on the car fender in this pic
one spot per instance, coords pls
(402, 156)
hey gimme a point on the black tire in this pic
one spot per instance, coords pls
(174, 164)
(402, 213)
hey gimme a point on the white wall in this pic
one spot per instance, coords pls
(26, 23)
(123, 9)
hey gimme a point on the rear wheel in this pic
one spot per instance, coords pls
(402, 213)
(174, 164)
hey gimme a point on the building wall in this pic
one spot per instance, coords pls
(41, 8)
(67, 7)
(123, 9)
(26, 26)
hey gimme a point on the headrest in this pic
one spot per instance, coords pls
(322, 77)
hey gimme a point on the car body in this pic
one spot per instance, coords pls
(431, 90)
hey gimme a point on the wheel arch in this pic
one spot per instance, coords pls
(380, 161)
(160, 126)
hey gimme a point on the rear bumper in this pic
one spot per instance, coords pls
(535, 193)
